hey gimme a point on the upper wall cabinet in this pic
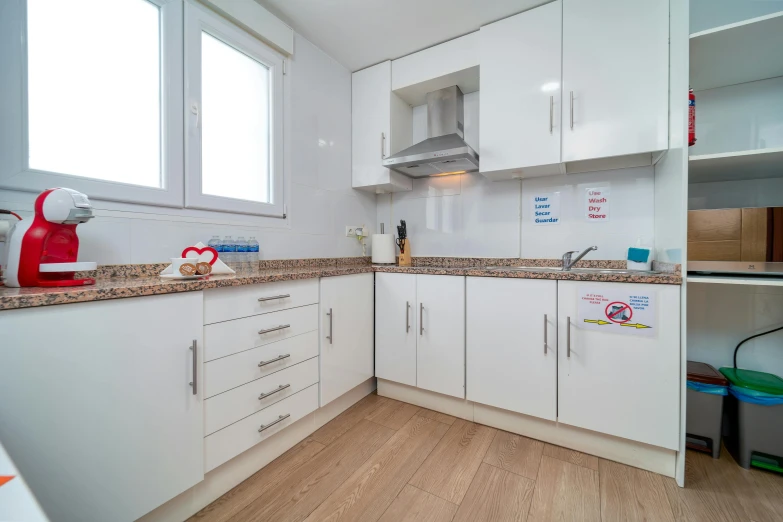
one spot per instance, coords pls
(615, 78)
(520, 93)
(381, 125)
(599, 102)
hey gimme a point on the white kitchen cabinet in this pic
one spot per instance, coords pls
(376, 114)
(395, 327)
(511, 344)
(440, 352)
(97, 406)
(623, 385)
(615, 78)
(346, 326)
(520, 94)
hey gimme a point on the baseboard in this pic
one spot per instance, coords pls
(228, 475)
(624, 451)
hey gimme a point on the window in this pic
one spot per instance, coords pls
(157, 102)
(234, 145)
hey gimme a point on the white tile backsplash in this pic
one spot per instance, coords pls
(322, 201)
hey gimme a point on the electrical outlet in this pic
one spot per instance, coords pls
(350, 231)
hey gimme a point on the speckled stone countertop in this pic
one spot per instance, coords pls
(119, 281)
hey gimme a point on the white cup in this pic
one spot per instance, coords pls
(177, 262)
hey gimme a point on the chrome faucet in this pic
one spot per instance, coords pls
(568, 263)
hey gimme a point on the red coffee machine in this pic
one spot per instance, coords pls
(42, 250)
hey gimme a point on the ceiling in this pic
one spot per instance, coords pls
(360, 33)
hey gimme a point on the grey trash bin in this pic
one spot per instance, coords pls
(704, 414)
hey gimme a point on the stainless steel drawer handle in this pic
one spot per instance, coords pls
(270, 361)
(421, 319)
(571, 96)
(545, 332)
(274, 329)
(383, 145)
(568, 337)
(331, 334)
(273, 297)
(194, 382)
(279, 419)
(278, 389)
(407, 316)
(551, 114)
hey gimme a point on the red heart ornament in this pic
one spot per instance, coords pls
(200, 251)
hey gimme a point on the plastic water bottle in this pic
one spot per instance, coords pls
(228, 249)
(253, 250)
(216, 244)
(242, 260)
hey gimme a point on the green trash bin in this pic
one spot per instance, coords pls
(757, 417)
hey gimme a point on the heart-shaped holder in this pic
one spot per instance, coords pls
(203, 254)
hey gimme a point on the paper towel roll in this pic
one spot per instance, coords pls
(383, 248)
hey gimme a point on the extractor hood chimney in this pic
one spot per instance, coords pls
(444, 151)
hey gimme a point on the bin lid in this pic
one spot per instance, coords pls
(705, 373)
(759, 381)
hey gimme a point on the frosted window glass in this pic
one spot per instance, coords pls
(94, 89)
(235, 123)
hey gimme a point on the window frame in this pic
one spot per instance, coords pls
(197, 19)
(15, 173)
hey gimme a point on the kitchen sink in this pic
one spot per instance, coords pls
(604, 271)
(525, 268)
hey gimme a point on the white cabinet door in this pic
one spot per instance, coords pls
(511, 344)
(96, 405)
(346, 333)
(623, 385)
(520, 90)
(441, 334)
(616, 68)
(395, 327)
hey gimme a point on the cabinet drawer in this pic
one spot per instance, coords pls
(224, 304)
(229, 337)
(235, 370)
(233, 405)
(240, 436)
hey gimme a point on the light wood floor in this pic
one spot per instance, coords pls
(384, 460)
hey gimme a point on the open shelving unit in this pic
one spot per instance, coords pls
(734, 166)
(737, 53)
(735, 280)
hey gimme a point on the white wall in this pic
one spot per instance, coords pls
(720, 316)
(322, 201)
(468, 215)
(706, 14)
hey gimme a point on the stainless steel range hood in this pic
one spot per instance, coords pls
(444, 151)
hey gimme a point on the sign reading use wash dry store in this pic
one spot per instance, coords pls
(617, 311)
(597, 204)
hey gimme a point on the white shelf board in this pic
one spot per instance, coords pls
(737, 53)
(736, 280)
(733, 166)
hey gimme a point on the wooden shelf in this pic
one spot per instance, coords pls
(736, 280)
(734, 166)
(737, 53)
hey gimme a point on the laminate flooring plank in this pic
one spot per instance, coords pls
(247, 491)
(333, 429)
(565, 492)
(436, 415)
(516, 454)
(366, 495)
(632, 495)
(450, 468)
(496, 495)
(415, 505)
(296, 495)
(392, 414)
(572, 456)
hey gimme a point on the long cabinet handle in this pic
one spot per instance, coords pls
(274, 329)
(194, 382)
(545, 334)
(571, 95)
(281, 418)
(276, 390)
(273, 297)
(383, 145)
(551, 114)
(270, 361)
(568, 337)
(331, 333)
(407, 316)
(421, 318)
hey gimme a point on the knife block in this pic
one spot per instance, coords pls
(405, 258)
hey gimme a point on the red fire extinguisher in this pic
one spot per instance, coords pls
(691, 118)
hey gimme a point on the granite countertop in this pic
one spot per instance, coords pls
(119, 281)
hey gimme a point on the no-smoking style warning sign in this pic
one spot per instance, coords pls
(617, 311)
